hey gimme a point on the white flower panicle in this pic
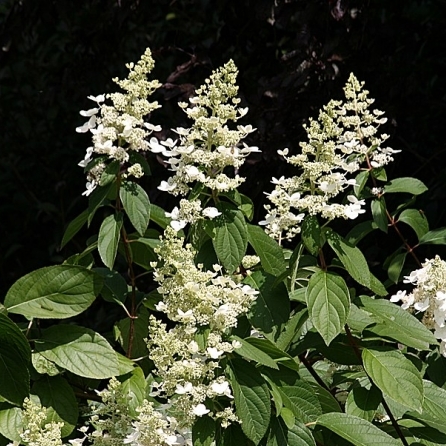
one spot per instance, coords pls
(193, 296)
(344, 137)
(153, 428)
(428, 297)
(202, 153)
(205, 305)
(114, 424)
(37, 432)
(119, 128)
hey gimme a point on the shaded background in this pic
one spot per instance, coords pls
(293, 56)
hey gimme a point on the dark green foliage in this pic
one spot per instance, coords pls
(292, 56)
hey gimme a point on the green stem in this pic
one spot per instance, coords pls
(132, 312)
(313, 372)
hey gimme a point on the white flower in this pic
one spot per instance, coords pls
(90, 112)
(211, 212)
(283, 152)
(200, 410)
(91, 186)
(192, 172)
(178, 224)
(151, 127)
(246, 128)
(90, 124)
(87, 158)
(221, 388)
(422, 306)
(187, 388)
(250, 291)
(160, 306)
(243, 111)
(185, 316)
(155, 146)
(169, 142)
(354, 209)
(167, 187)
(398, 296)
(100, 98)
(246, 150)
(214, 353)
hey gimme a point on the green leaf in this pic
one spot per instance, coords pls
(354, 262)
(358, 232)
(158, 215)
(271, 309)
(203, 431)
(395, 376)
(232, 435)
(43, 366)
(15, 358)
(292, 329)
(281, 435)
(359, 319)
(115, 287)
(275, 394)
(243, 202)
(407, 184)
(108, 239)
(79, 350)
(142, 250)
(356, 430)
(379, 213)
(269, 251)
(327, 401)
(434, 409)
(140, 332)
(361, 180)
(97, 199)
(301, 399)
(398, 324)
(379, 173)
(396, 266)
(110, 173)
(328, 301)
(54, 292)
(253, 353)
(231, 236)
(268, 347)
(134, 386)
(136, 205)
(416, 220)
(125, 365)
(339, 351)
(138, 158)
(435, 237)
(74, 227)
(58, 397)
(252, 400)
(311, 234)
(363, 403)
(288, 417)
(11, 423)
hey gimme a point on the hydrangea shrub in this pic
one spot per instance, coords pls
(274, 333)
